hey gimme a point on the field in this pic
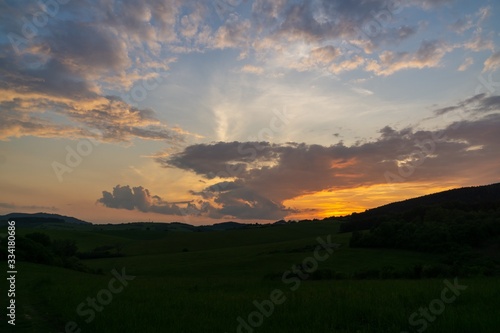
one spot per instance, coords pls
(242, 281)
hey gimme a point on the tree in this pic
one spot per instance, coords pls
(355, 238)
(64, 248)
(40, 238)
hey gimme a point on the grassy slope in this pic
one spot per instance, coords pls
(207, 288)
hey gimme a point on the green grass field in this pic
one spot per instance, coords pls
(205, 281)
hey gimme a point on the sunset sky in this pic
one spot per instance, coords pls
(208, 111)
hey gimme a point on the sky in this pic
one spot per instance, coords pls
(252, 111)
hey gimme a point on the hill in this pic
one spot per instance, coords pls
(464, 199)
(470, 196)
(40, 218)
(467, 199)
(366, 282)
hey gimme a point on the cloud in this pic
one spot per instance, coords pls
(76, 74)
(429, 55)
(480, 43)
(13, 206)
(255, 178)
(477, 104)
(192, 23)
(252, 69)
(462, 24)
(492, 63)
(313, 35)
(245, 203)
(362, 91)
(104, 118)
(62, 77)
(475, 22)
(347, 65)
(252, 180)
(229, 158)
(234, 34)
(430, 4)
(292, 30)
(267, 13)
(313, 21)
(466, 64)
(323, 55)
(138, 198)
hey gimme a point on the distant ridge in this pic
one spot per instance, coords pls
(230, 225)
(466, 198)
(43, 217)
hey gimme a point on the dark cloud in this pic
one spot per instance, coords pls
(230, 201)
(92, 47)
(267, 12)
(256, 178)
(61, 63)
(230, 158)
(53, 79)
(213, 190)
(428, 55)
(137, 198)
(315, 21)
(264, 175)
(491, 103)
(245, 203)
(480, 103)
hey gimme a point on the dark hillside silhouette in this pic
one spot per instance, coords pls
(467, 199)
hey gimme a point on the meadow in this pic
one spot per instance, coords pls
(226, 281)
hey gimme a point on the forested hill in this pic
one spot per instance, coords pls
(470, 196)
(467, 199)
